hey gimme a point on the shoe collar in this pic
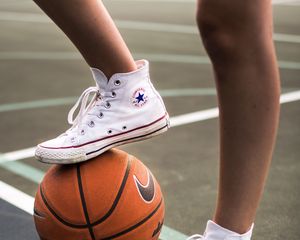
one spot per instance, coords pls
(104, 83)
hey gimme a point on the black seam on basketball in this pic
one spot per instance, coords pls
(83, 202)
(136, 225)
(124, 140)
(59, 218)
(37, 213)
(116, 201)
(56, 215)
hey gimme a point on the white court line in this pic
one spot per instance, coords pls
(17, 155)
(135, 25)
(194, 117)
(16, 197)
(24, 17)
(283, 2)
(290, 97)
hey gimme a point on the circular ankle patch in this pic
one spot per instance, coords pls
(139, 97)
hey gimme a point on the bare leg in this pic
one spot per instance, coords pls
(91, 29)
(238, 38)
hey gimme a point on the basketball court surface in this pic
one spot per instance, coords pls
(42, 75)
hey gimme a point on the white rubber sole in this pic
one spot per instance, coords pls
(86, 152)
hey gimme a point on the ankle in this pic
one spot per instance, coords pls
(110, 70)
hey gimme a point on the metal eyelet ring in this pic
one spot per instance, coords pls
(100, 115)
(91, 124)
(107, 105)
(124, 127)
(98, 95)
(82, 132)
(109, 131)
(117, 82)
(113, 94)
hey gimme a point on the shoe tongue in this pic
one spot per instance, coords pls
(100, 78)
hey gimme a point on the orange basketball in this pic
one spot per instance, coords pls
(113, 196)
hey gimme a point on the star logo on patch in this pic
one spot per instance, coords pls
(139, 97)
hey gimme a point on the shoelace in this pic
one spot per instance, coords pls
(97, 100)
(84, 107)
(195, 237)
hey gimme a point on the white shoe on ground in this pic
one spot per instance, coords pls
(216, 232)
(124, 109)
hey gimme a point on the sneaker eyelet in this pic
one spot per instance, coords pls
(100, 115)
(98, 95)
(109, 131)
(107, 105)
(113, 94)
(82, 132)
(91, 124)
(117, 82)
(124, 127)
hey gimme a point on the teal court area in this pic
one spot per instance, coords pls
(42, 75)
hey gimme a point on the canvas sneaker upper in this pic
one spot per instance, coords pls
(123, 105)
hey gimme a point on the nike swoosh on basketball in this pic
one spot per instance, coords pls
(147, 192)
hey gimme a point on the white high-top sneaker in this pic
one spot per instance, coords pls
(216, 232)
(124, 109)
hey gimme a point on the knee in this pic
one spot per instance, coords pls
(222, 31)
(216, 38)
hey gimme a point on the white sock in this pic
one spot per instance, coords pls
(216, 232)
